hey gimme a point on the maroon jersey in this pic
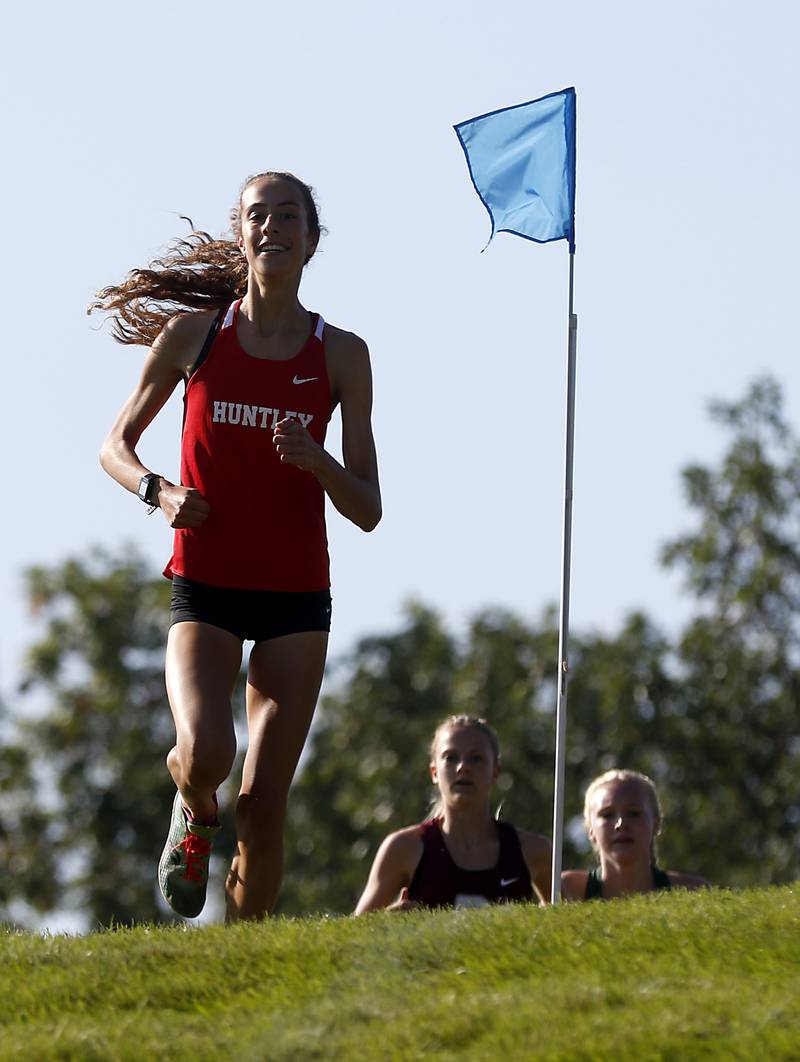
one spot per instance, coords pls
(438, 882)
(266, 528)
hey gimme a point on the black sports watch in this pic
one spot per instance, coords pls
(148, 488)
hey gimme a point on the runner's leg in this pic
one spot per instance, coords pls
(284, 679)
(202, 666)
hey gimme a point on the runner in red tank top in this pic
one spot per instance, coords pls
(250, 559)
(234, 402)
(462, 856)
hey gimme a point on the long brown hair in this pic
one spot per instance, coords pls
(197, 272)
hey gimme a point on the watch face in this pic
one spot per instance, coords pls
(144, 486)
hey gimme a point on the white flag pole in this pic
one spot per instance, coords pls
(563, 632)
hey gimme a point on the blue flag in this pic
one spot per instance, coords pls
(522, 162)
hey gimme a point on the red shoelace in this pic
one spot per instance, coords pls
(197, 851)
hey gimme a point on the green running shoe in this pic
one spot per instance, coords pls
(183, 867)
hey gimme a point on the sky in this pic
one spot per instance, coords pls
(120, 119)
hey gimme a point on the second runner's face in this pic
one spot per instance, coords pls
(622, 822)
(464, 767)
(275, 237)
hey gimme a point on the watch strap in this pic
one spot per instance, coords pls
(145, 492)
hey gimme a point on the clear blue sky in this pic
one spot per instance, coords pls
(120, 118)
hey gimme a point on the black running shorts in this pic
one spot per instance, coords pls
(251, 615)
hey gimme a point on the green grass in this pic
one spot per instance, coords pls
(683, 976)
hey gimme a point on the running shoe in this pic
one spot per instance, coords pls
(183, 867)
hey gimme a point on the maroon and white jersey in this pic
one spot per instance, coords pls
(438, 882)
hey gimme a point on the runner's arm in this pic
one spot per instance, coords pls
(538, 853)
(166, 365)
(391, 873)
(352, 487)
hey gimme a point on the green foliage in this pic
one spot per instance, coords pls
(98, 727)
(742, 560)
(736, 732)
(26, 854)
(642, 978)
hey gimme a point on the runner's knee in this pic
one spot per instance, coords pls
(206, 761)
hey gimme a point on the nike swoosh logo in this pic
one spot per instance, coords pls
(507, 881)
(304, 379)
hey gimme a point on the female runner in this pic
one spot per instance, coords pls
(461, 856)
(623, 819)
(262, 376)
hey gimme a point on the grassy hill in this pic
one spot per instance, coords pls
(684, 976)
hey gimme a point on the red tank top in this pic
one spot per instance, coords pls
(438, 882)
(266, 528)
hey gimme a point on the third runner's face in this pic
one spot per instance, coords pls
(622, 822)
(464, 767)
(275, 236)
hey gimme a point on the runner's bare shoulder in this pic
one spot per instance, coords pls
(182, 337)
(573, 884)
(341, 343)
(347, 358)
(404, 845)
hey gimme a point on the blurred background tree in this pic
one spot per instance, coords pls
(736, 740)
(27, 859)
(711, 715)
(97, 729)
(89, 783)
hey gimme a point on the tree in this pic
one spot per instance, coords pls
(28, 880)
(737, 738)
(95, 734)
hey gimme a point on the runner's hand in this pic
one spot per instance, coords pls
(295, 445)
(404, 903)
(182, 506)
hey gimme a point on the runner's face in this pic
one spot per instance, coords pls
(275, 237)
(622, 822)
(464, 767)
